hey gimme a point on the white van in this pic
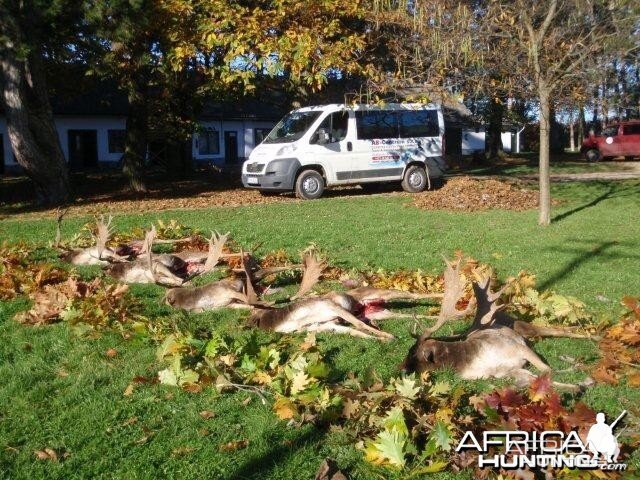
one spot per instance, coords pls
(316, 147)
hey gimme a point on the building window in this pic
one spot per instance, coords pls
(419, 123)
(259, 135)
(208, 142)
(116, 140)
(376, 124)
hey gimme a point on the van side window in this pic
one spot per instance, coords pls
(610, 131)
(335, 125)
(419, 123)
(631, 129)
(376, 124)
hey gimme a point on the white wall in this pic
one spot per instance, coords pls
(101, 124)
(64, 123)
(244, 130)
(245, 135)
(506, 141)
(472, 141)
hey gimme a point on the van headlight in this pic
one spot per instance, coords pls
(286, 150)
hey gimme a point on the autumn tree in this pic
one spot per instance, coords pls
(30, 32)
(168, 55)
(549, 46)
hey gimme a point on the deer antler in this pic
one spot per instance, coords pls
(250, 292)
(453, 290)
(59, 216)
(216, 244)
(147, 245)
(313, 268)
(487, 303)
(103, 232)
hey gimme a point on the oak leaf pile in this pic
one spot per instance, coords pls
(470, 194)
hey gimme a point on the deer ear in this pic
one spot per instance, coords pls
(430, 356)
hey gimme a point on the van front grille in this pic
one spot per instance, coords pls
(255, 167)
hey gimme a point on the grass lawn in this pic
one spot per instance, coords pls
(527, 164)
(63, 392)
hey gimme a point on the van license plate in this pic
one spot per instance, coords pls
(252, 180)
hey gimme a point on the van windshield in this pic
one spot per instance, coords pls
(292, 127)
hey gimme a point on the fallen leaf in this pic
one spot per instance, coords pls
(128, 391)
(182, 451)
(233, 446)
(46, 454)
(192, 387)
(129, 421)
(284, 408)
(111, 353)
(206, 414)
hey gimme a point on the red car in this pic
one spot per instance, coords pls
(617, 140)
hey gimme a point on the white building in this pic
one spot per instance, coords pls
(92, 135)
(473, 140)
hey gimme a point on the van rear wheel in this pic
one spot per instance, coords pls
(593, 155)
(309, 185)
(415, 179)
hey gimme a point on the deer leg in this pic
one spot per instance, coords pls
(165, 276)
(239, 306)
(523, 378)
(533, 358)
(387, 295)
(529, 330)
(336, 311)
(387, 314)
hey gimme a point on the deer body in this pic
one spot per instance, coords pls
(314, 314)
(224, 293)
(141, 272)
(91, 256)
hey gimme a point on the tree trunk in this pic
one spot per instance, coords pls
(135, 149)
(572, 141)
(493, 142)
(30, 126)
(582, 125)
(544, 217)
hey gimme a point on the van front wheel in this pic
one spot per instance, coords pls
(309, 185)
(415, 179)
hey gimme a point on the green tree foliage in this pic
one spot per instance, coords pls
(170, 54)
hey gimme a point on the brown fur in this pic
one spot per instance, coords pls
(494, 346)
(224, 293)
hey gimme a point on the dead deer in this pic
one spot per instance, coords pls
(167, 269)
(494, 346)
(224, 293)
(321, 314)
(231, 293)
(99, 254)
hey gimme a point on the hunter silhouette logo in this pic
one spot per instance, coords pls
(513, 449)
(600, 439)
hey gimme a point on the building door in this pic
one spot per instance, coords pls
(1, 153)
(231, 147)
(83, 148)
